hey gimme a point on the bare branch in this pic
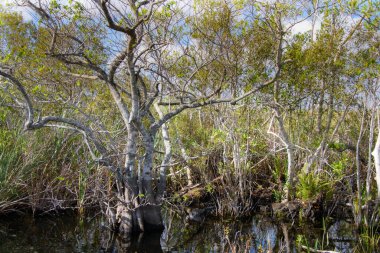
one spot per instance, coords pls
(30, 124)
(28, 103)
(111, 23)
(154, 127)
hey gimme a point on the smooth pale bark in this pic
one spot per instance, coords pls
(376, 156)
(186, 158)
(314, 20)
(147, 168)
(151, 209)
(187, 168)
(124, 222)
(128, 198)
(369, 165)
(167, 157)
(137, 209)
(289, 187)
(236, 158)
(131, 150)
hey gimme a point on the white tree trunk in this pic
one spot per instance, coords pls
(186, 158)
(289, 187)
(136, 208)
(126, 218)
(314, 20)
(376, 156)
(369, 166)
(151, 209)
(167, 157)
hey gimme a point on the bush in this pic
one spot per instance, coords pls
(310, 186)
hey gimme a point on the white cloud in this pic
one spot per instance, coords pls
(10, 5)
(302, 27)
(30, 15)
(306, 26)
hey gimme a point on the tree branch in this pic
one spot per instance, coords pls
(30, 124)
(111, 23)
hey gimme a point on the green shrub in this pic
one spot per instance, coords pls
(310, 186)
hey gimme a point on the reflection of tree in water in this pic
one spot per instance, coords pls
(260, 235)
(342, 237)
(265, 235)
(208, 236)
(214, 236)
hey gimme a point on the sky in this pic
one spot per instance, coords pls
(305, 26)
(27, 15)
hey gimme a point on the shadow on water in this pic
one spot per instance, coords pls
(68, 233)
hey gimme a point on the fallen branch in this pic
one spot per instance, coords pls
(317, 251)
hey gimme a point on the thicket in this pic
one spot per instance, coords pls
(248, 108)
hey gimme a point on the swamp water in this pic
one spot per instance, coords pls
(68, 233)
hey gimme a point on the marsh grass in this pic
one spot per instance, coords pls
(13, 171)
(369, 238)
(45, 171)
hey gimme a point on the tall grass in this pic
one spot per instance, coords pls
(46, 170)
(12, 170)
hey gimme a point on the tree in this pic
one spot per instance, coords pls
(134, 78)
(72, 54)
(118, 71)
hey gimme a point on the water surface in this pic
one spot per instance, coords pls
(69, 233)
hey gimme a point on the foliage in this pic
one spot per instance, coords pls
(310, 186)
(43, 171)
(211, 59)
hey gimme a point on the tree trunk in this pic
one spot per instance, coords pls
(320, 108)
(376, 156)
(150, 208)
(369, 165)
(167, 157)
(136, 207)
(186, 158)
(358, 218)
(236, 157)
(326, 133)
(314, 20)
(128, 218)
(289, 187)
(320, 151)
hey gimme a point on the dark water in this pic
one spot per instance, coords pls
(69, 233)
